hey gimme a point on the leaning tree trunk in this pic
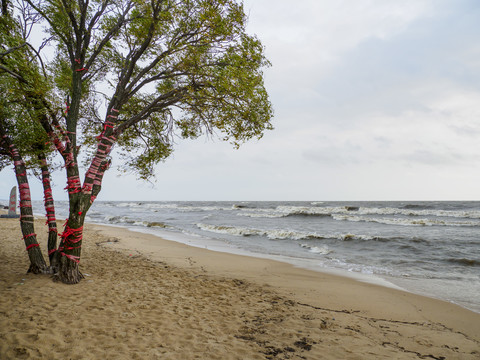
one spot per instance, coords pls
(37, 262)
(49, 209)
(67, 270)
(69, 250)
(81, 198)
(67, 257)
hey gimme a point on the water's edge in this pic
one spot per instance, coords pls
(306, 264)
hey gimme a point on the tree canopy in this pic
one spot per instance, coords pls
(184, 67)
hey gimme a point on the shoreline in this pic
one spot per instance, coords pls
(417, 273)
(221, 247)
(145, 297)
(306, 264)
(272, 272)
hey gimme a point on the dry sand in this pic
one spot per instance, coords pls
(147, 298)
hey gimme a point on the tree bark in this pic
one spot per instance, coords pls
(37, 262)
(70, 247)
(49, 209)
(80, 200)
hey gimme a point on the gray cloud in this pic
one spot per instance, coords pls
(373, 99)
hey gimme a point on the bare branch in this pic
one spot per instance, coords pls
(39, 58)
(52, 24)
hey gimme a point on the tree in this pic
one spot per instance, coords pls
(19, 135)
(162, 68)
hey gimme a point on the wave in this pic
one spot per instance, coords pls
(312, 209)
(285, 210)
(464, 261)
(243, 205)
(129, 221)
(262, 213)
(282, 234)
(321, 250)
(405, 221)
(174, 206)
(230, 230)
(351, 237)
(155, 224)
(271, 234)
(119, 220)
(416, 206)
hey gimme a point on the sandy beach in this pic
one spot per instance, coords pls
(148, 298)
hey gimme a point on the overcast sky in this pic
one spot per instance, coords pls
(373, 100)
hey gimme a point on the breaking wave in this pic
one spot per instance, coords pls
(129, 221)
(321, 250)
(119, 220)
(283, 234)
(271, 234)
(174, 206)
(405, 221)
(408, 211)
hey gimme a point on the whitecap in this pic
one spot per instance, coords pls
(405, 221)
(321, 250)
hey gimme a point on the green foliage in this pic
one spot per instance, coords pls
(146, 143)
(172, 68)
(17, 60)
(202, 54)
(18, 119)
(20, 81)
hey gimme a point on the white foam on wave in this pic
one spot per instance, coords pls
(288, 234)
(276, 234)
(349, 237)
(242, 231)
(118, 219)
(288, 210)
(174, 206)
(279, 234)
(230, 230)
(405, 221)
(321, 250)
(261, 214)
(426, 212)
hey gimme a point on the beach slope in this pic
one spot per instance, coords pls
(147, 298)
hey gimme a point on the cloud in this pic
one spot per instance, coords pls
(373, 99)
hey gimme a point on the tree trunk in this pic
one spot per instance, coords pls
(80, 200)
(37, 262)
(49, 209)
(69, 250)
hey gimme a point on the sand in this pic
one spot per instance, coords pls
(148, 298)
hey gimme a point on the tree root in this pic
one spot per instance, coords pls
(69, 276)
(35, 269)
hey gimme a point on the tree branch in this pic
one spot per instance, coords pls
(12, 50)
(14, 74)
(71, 16)
(159, 103)
(121, 21)
(135, 55)
(39, 58)
(50, 22)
